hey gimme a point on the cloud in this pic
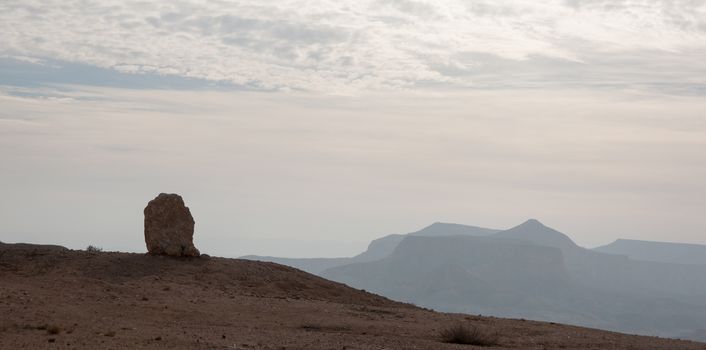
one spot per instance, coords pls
(600, 164)
(25, 74)
(413, 8)
(353, 46)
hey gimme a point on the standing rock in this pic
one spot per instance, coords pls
(169, 227)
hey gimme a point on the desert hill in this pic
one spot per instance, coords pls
(53, 298)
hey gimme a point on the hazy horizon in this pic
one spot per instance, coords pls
(314, 127)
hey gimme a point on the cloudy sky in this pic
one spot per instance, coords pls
(302, 128)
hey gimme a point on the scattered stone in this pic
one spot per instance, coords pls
(169, 227)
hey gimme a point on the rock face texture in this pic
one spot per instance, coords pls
(169, 227)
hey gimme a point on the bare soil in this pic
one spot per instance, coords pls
(52, 298)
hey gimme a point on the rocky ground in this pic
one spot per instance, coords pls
(52, 298)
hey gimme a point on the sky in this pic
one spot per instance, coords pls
(308, 128)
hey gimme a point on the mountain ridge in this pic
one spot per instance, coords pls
(669, 252)
(514, 278)
(377, 249)
(599, 286)
(536, 232)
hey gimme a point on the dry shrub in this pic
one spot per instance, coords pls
(469, 335)
(94, 249)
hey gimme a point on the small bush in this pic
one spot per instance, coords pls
(94, 249)
(469, 335)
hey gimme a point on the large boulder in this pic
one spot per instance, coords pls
(169, 227)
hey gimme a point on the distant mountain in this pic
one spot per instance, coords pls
(378, 249)
(382, 247)
(465, 274)
(439, 229)
(534, 271)
(615, 273)
(677, 253)
(534, 232)
(508, 278)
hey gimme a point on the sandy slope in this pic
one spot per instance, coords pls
(133, 301)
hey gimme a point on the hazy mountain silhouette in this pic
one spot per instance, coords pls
(534, 232)
(677, 253)
(377, 249)
(447, 229)
(463, 274)
(616, 273)
(510, 278)
(528, 271)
